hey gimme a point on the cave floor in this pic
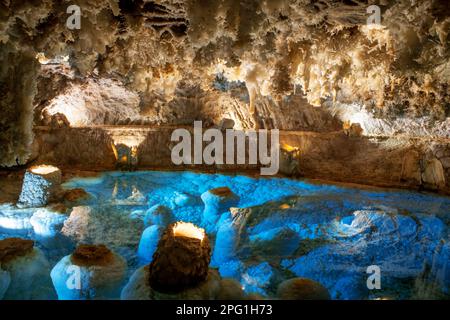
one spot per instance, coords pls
(327, 232)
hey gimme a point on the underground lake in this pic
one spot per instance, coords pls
(354, 242)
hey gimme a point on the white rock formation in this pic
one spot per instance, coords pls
(95, 280)
(29, 277)
(15, 219)
(102, 225)
(158, 215)
(47, 223)
(149, 243)
(40, 184)
(102, 101)
(217, 201)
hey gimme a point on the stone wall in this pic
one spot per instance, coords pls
(381, 161)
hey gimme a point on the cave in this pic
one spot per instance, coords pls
(225, 150)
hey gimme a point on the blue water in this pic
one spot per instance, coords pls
(296, 228)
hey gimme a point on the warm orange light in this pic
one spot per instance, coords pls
(288, 148)
(285, 206)
(189, 230)
(43, 169)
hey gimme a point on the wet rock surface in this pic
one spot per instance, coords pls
(90, 255)
(12, 248)
(401, 246)
(91, 272)
(217, 201)
(138, 288)
(179, 262)
(283, 229)
(40, 186)
(24, 271)
(302, 289)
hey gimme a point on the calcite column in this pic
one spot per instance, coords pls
(181, 260)
(179, 270)
(90, 272)
(156, 220)
(229, 235)
(40, 183)
(24, 271)
(217, 201)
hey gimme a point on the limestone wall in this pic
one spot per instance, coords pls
(382, 161)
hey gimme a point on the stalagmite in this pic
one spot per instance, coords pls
(217, 201)
(181, 260)
(40, 184)
(28, 271)
(90, 272)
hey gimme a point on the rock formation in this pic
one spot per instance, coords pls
(256, 63)
(90, 272)
(181, 259)
(302, 289)
(217, 201)
(40, 185)
(24, 271)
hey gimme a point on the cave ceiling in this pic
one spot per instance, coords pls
(163, 61)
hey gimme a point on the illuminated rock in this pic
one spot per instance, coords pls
(231, 269)
(217, 201)
(107, 225)
(77, 225)
(289, 160)
(40, 184)
(181, 260)
(90, 272)
(28, 270)
(302, 289)
(260, 278)
(229, 235)
(159, 215)
(47, 223)
(433, 176)
(182, 199)
(12, 218)
(149, 242)
(400, 245)
(226, 243)
(138, 288)
(411, 168)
